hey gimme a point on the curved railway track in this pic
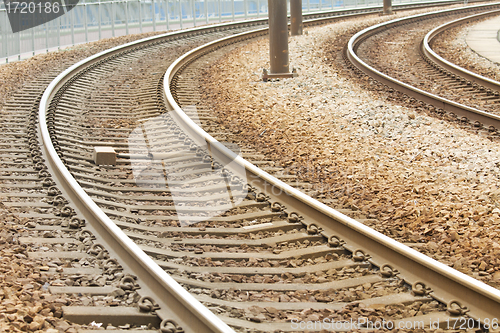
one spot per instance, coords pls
(112, 232)
(190, 81)
(422, 74)
(485, 84)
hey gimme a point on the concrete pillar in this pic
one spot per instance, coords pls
(278, 41)
(278, 36)
(296, 17)
(387, 7)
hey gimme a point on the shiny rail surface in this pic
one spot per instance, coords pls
(174, 302)
(470, 113)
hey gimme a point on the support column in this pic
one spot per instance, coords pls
(387, 7)
(278, 41)
(296, 17)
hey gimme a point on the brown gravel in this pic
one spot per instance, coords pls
(25, 304)
(16, 74)
(427, 181)
(365, 291)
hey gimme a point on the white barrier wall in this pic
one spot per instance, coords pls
(91, 21)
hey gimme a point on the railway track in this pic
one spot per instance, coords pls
(484, 84)
(109, 187)
(241, 250)
(464, 32)
(420, 73)
(189, 79)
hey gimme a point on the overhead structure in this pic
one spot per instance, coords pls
(296, 25)
(278, 41)
(387, 9)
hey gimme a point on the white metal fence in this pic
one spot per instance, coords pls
(96, 20)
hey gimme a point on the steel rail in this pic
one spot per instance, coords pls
(471, 77)
(317, 18)
(448, 285)
(174, 301)
(473, 114)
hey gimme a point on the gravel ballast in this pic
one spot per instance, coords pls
(25, 302)
(427, 181)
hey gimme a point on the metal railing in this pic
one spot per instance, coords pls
(91, 21)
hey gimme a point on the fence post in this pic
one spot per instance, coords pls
(193, 3)
(205, 3)
(167, 14)
(5, 42)
(126, 17)
(99, 18)
(232, 8)
(140, 16)
(180, 12)
(59, 33)
(33, 37)
(19, 40)
(113, 18)
(154, 15)
(220, 13)
(85, 23)
(245, 8)
(73, 26)
(47, 36)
